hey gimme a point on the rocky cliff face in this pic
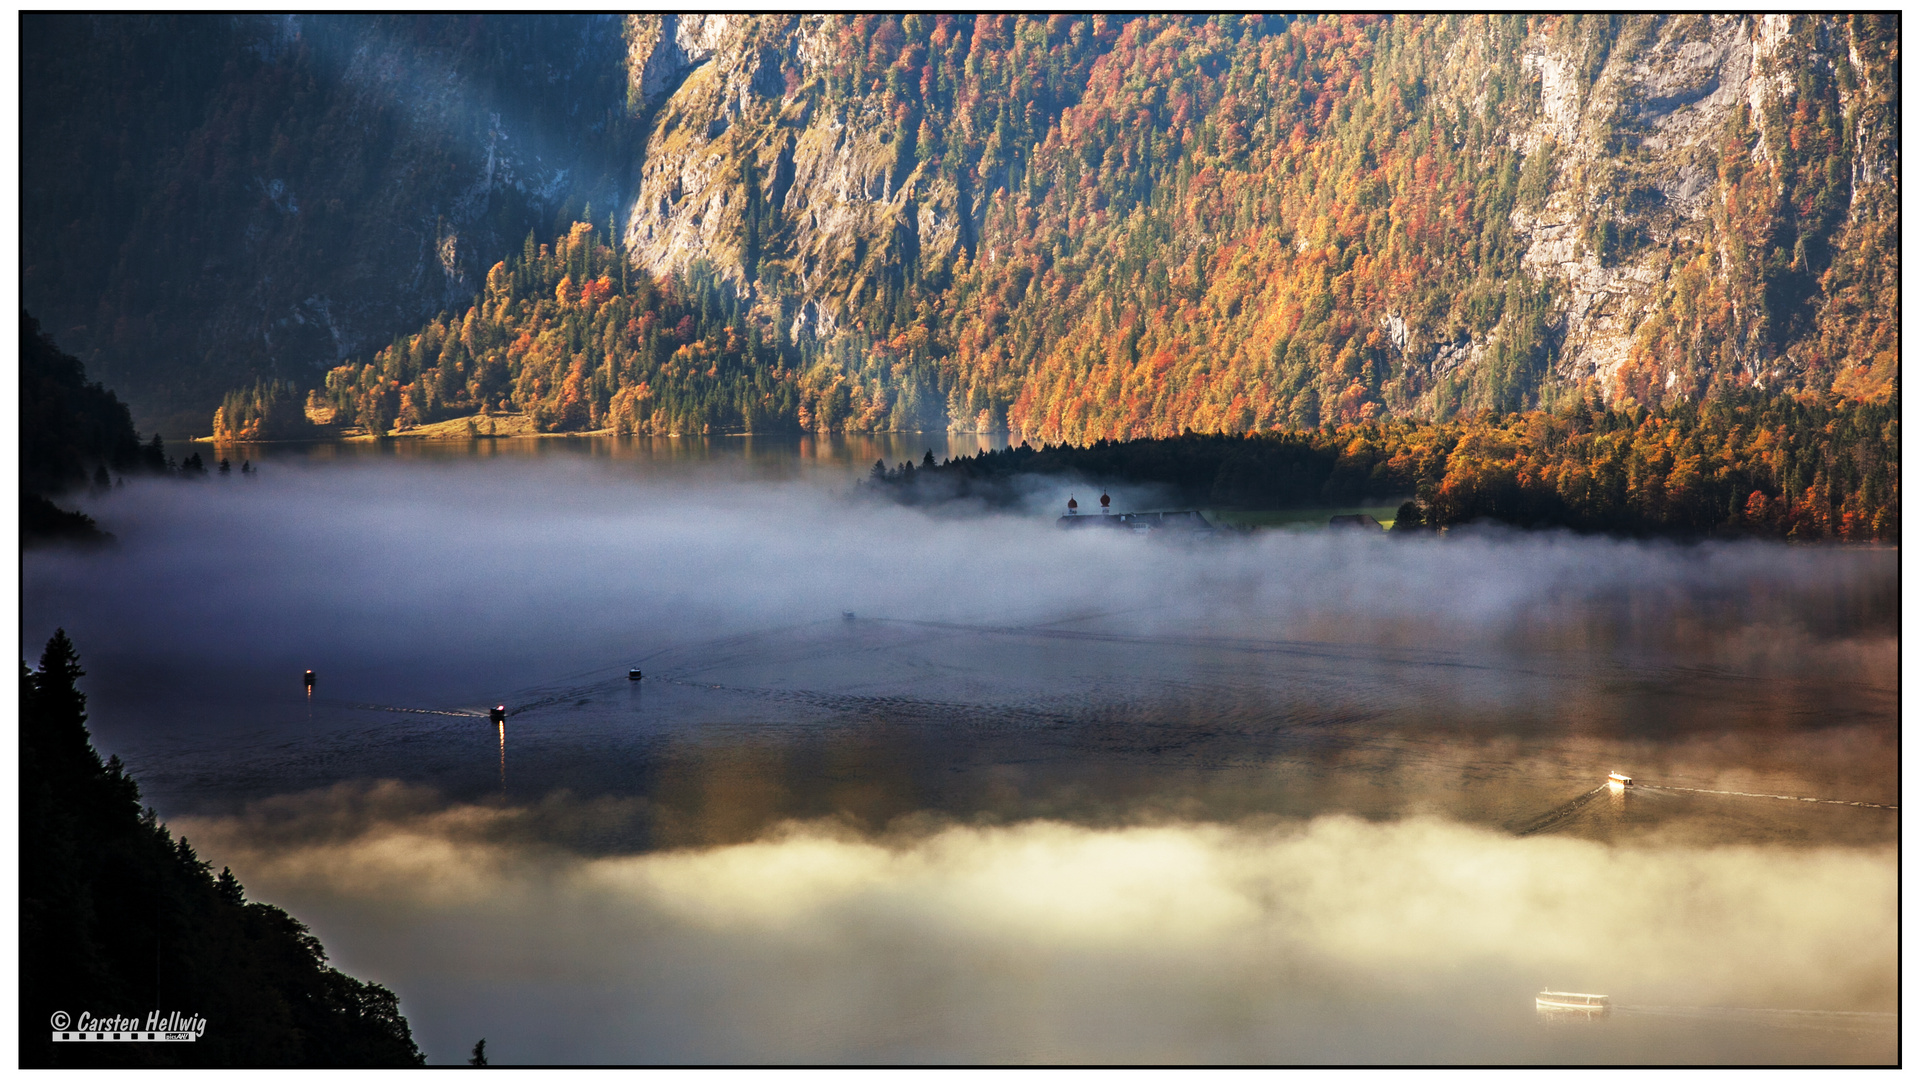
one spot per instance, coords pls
(803, 206)
(1636, 152)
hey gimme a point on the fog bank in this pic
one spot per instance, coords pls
(1329, 941)
(444, 581)
(1047, 796)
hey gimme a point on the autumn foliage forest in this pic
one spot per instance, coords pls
(1737, 465)
(1200, 225)
(579, 342)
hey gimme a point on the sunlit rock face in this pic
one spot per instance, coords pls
(1636, 142)
(802, 207)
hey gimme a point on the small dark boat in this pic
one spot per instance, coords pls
(634, 675)
(497, 714)
(310, 678)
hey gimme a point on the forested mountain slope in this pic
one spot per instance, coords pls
(1067, 228)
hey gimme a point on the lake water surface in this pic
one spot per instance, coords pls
(1293, 798)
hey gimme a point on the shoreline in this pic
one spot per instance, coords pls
(455, 430)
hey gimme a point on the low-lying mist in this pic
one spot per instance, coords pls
(431, 579)
(910, 787)
(1327, 941)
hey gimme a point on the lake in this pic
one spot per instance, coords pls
(912, 787)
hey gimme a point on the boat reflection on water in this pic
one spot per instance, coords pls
(1563, 1005)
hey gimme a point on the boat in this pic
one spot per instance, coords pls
(634, 675)
(497, 714)
(1619, 780)
(1563, 1002)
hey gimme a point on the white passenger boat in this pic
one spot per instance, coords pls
(1562, 1001)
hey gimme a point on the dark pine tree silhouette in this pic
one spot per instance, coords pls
(117, 917)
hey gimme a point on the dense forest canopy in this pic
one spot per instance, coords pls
(569, 335)
(1736, 466)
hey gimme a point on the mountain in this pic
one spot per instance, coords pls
(69, 427)
(1069, 228)
(211, 199)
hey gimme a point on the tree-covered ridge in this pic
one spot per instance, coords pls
(72, 432)
(69, 428)
(567, 334)
(270, 409)
(1744, 465)
(117, 917)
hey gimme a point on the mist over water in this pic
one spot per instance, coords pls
(1046, 796)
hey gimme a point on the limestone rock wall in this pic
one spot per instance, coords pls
(733, 134)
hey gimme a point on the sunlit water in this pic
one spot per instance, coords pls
(1045, 797)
